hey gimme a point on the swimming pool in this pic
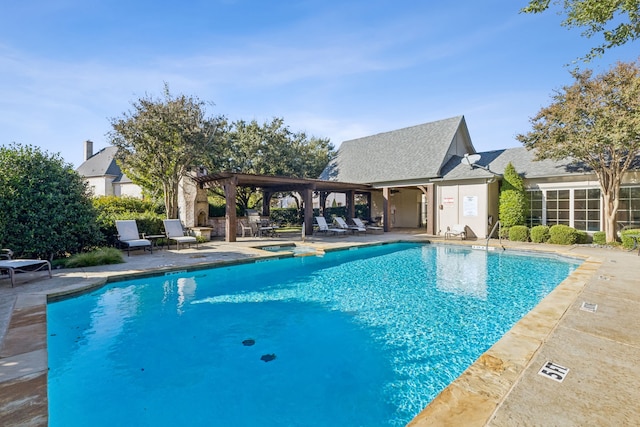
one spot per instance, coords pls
(357, 337)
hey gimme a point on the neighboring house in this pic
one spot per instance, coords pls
(103, 174)
(427, 180)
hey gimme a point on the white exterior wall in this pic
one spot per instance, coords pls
(127, 190)
(100, 186)
(465, 204)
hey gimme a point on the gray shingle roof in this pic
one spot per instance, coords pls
(521, 158)
(415, 152)
(100, 164)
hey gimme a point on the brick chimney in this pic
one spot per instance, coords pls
(88, 149)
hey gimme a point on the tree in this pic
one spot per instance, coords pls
(595, 122)
(514, 207)
(46, 208)
(595, 16)
(269, 149)
(161, 140)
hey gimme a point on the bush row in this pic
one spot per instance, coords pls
(564, 235)
(558, 234)
(147, 215)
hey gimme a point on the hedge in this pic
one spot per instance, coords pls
(519, 233)
(627, 241)
(561, 234)
(600, 238)
(540, 234)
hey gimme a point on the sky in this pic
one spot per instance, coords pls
(335, 69)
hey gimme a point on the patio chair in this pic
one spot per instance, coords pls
(260, 227)
(12, 266)
(457, 230)
(323, 227)
(353, 228)
(173, 229)
(245, 228)
(129, 238)
(359, 223)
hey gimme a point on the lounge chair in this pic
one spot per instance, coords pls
(359, 223)
(457, 230)
(353, 228)
(13, 266)
(173, 229)
(129, 238)
(323, 227)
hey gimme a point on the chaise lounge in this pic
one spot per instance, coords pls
(175, 232)
(457, 230)
(359, 223)
(13, 266)
(353, 228)
(323, 227)
(129, 238)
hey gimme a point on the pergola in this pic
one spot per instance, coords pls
(270, 185)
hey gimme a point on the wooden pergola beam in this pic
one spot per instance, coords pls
(277, 184)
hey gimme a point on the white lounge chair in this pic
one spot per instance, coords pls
(343, 224)
(457, 230)
(173, 229)
(12, 266)
(359, 223)
(129, 238)
(323, 227)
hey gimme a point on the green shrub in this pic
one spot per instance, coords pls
(625, 236)
(101, 256)
(120, 205)
(600, 238)
(45, 209)
(513, 204)
(561, 234)
(147, 215)
(503, 232)
(285, 216)
(540, 234)
(583, 237)
(519, 233)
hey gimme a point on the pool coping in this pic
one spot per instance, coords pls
(471, 399)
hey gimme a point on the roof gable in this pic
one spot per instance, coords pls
(101, 164)
(416, 152)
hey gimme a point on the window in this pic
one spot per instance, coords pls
(558, 207)
(629, 207)
(535, 208)
(586, 209)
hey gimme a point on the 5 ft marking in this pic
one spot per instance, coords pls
(553, 371)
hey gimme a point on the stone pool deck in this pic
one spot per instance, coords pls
(600, 348)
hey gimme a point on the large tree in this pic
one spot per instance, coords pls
(46, 207)
(161, 140)
(595, 122)
(617, 20)
(270, 148)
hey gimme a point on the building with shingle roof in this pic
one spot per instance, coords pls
(403, 155)
(431, 176)
(103, 175)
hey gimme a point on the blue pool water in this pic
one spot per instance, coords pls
(363, 337)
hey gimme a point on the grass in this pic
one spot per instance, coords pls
(100, 256)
